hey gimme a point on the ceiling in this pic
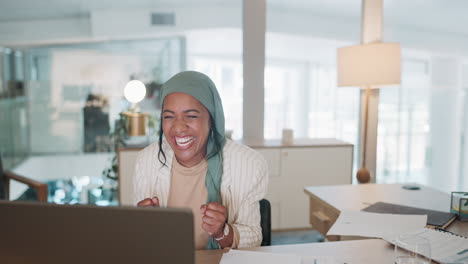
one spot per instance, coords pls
(428, 15)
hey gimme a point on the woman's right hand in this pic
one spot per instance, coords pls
(149, 202)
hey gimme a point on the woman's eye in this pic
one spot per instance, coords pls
(167, 117)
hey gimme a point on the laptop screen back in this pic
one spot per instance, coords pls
(49, 233)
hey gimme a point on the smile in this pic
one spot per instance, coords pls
(184, 141)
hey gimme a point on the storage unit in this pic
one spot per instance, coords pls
(308, 162)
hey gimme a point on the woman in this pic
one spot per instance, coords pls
(193, 165)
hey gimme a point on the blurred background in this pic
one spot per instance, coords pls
(64, 64)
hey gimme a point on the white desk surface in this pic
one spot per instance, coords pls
(350, 252)
(354, 197)
(357, 197)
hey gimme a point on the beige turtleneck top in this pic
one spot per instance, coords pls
(187, 189)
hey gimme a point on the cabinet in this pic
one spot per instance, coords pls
(313, 162)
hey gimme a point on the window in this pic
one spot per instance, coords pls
(403, 151)
(422, 124)
(301, 91)
(221, 59)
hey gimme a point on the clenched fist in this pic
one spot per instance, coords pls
(149, 202)
(214, 217)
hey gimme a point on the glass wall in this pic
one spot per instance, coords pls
(75, 92)
(14, 143)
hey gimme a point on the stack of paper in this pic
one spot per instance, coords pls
(445, 247)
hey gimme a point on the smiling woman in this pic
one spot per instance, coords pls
(193, 165)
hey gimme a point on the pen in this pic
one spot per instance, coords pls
(441, 229)
(446, 231)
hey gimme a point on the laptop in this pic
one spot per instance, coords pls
(49, 233)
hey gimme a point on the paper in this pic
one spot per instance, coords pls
(445, 247)
(320, 260)
(358, 223)
(255, 257)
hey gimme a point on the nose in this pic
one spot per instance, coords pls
(180, 125)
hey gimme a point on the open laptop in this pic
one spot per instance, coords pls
(66, 234)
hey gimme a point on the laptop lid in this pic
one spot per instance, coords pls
(50, 233)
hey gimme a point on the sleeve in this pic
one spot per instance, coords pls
(247, 229)
(140, 180)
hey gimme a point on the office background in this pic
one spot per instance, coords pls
(57, 53)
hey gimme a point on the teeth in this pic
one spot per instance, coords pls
(185, 141)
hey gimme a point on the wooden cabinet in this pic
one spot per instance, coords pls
(313, 162)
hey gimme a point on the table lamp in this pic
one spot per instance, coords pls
(368, 66)
(134, 92)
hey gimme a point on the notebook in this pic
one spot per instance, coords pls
(446, 247)
(434, 218)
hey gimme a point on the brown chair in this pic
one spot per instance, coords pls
(6, 176)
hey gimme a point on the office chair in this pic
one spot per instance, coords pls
(265, 221)
(6, 176)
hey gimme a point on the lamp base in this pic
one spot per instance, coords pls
(136, 124)
(363, 175)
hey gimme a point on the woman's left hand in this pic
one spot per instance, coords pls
(214, 217)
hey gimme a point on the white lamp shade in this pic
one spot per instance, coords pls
(369, 65)
(135, 91)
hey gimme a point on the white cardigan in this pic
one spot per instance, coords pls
(244, 184)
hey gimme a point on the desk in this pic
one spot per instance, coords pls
(327, 201)
(67, 167)
(350, 252)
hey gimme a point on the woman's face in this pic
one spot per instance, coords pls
(186, 126)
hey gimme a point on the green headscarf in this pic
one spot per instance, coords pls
(202, 88)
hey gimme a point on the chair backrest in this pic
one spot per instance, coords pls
(265, 221)
(2, 181)
(5, 177)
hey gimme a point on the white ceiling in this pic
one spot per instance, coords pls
(428, 15)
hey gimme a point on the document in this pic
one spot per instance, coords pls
(358, 223)
(446, 247)
(255, 257)
(434, 218)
